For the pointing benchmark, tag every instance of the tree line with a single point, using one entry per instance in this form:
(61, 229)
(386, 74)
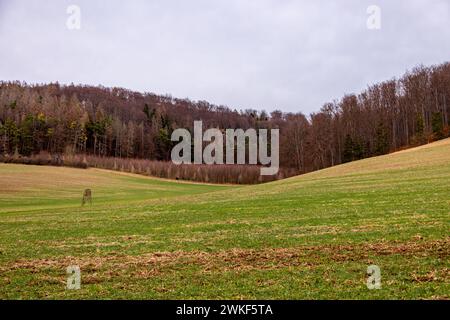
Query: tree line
(118, 123)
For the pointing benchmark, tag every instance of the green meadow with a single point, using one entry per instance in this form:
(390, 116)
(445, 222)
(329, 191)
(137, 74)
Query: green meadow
(307, 237)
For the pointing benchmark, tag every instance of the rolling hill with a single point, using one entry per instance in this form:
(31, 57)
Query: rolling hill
(311, 236)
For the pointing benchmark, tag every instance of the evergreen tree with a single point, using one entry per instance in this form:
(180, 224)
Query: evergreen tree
(437, 126)
(348, 149)
(381, 140)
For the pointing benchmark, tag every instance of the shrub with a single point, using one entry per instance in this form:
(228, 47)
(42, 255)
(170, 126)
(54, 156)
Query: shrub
(224, 174)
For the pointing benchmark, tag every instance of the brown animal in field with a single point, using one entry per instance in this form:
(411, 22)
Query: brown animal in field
(87, 196)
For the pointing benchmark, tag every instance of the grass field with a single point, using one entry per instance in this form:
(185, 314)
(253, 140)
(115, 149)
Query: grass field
(309, 237)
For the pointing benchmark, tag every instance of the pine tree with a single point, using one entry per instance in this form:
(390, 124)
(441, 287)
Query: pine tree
(348, 149)
(381, 140)
(437, 126)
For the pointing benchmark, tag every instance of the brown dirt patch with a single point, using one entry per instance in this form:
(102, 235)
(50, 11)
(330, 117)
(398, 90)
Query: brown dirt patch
(240, 259)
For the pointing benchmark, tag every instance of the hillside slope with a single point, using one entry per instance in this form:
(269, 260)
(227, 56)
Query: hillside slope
(311, 236)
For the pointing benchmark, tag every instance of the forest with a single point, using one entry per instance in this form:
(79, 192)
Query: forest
(119, 129)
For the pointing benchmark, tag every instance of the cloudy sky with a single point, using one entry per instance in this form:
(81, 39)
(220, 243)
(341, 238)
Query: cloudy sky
(263, 54)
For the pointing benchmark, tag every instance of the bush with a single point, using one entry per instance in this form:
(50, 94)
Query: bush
(224, 174)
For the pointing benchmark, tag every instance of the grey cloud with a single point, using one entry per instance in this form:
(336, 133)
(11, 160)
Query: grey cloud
(264, 54)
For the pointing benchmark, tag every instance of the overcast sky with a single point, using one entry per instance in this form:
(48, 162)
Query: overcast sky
(263, 54)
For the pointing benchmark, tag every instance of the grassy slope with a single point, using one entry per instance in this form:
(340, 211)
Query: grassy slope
(305, 237)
